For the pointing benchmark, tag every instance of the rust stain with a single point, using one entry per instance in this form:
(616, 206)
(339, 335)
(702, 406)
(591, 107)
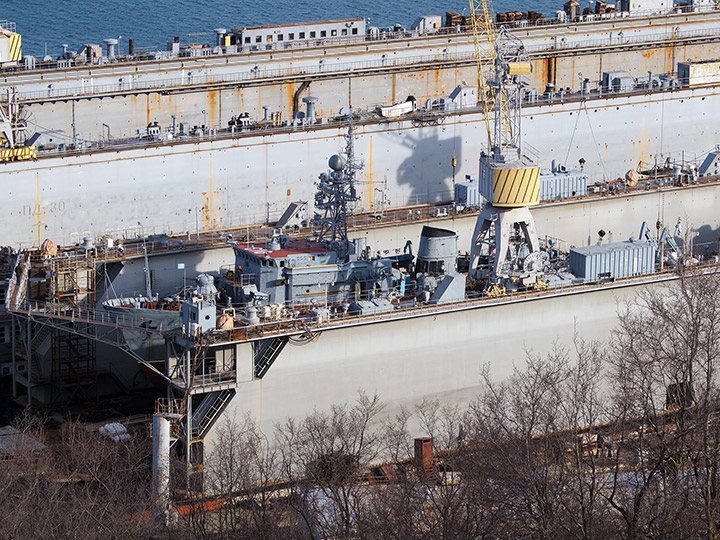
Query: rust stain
(213, 108)
(669, 67)
(394, 87)
(148, 109)
(241, 98)
(648, 54)
(209, 198)
(543, 71)
(289, 96)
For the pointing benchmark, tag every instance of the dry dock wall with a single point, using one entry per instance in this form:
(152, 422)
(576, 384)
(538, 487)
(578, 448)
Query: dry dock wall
(431, 357)
(220, 183)
(362, 74)
(125, 114)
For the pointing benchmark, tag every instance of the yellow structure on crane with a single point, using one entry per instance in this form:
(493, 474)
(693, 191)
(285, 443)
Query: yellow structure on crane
(512, 179)
(14, 126)
(505, 251)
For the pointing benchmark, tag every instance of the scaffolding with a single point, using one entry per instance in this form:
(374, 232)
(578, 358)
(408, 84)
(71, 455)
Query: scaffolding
(62, 285)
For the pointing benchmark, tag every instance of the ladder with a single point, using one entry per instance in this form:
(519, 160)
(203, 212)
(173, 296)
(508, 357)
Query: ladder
(266, 352)
(207, 412)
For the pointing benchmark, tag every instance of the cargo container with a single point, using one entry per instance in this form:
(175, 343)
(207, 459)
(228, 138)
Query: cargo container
(610, 261)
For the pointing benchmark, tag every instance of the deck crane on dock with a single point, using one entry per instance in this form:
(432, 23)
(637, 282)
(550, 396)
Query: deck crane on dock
(505, 251)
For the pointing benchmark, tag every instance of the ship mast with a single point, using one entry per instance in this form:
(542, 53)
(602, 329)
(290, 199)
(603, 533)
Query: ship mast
(334, 197)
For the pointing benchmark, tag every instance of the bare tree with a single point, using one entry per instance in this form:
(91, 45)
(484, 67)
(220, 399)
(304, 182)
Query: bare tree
(666, 400)
(324, 455)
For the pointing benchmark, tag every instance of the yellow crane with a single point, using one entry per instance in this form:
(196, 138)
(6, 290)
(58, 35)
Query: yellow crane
(501, 59)
(505, 251)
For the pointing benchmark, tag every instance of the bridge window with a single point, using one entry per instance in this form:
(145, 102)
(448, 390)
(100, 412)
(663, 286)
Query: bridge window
(323, 33)
(313, 34)
(354, 31)
(258, 39)
(333, 32)
(291, 35)
(280, 37)
(247, 39)
(302, 35)
(344, 32)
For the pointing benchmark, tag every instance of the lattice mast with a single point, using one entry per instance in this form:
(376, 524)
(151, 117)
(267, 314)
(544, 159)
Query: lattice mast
(501, 59)
(335, 197)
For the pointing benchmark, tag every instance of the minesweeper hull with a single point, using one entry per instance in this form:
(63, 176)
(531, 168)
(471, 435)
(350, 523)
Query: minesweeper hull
(182, 187)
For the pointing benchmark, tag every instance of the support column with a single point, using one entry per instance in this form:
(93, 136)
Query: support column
(161, 469)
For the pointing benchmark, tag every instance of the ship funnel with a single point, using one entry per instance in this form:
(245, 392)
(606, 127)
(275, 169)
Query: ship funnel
(437, 251)
(220, 33)
(111, 43)
(311, 103)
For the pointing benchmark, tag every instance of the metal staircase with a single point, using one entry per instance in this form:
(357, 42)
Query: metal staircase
(266, 352)
(209, 410)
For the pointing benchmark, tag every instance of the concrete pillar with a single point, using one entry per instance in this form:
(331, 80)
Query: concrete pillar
(161, 468)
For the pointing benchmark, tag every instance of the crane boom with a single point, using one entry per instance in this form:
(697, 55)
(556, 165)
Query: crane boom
(499, 68)
(481, 15)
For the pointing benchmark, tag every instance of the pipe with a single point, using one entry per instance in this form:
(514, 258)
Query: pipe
(161, 469)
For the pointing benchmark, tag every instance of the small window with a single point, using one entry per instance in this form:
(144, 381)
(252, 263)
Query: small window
(302, 35)
(281, 37)
(282, 264)
(247, 40)
(268, 39)
(291, 35)
(258, 39)
(354, 31)
(333, 32)
(343, 32)
(313, 34)
(323, 33)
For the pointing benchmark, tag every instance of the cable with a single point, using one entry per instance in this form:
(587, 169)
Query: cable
(597, 148)
(572, 137)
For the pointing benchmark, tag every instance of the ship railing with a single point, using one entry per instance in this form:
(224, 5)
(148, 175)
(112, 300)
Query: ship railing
(704, 254)
(49, 310)
(421, 115)
(128, 84)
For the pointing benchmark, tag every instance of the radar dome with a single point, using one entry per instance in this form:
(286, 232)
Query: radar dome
(336, 163)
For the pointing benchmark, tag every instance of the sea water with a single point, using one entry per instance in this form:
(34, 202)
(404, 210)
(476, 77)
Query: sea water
(46, 25)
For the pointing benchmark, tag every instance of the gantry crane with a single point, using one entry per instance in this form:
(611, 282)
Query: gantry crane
(505, 250)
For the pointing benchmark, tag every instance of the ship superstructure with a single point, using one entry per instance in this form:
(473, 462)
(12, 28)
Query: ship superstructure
(298, 273)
